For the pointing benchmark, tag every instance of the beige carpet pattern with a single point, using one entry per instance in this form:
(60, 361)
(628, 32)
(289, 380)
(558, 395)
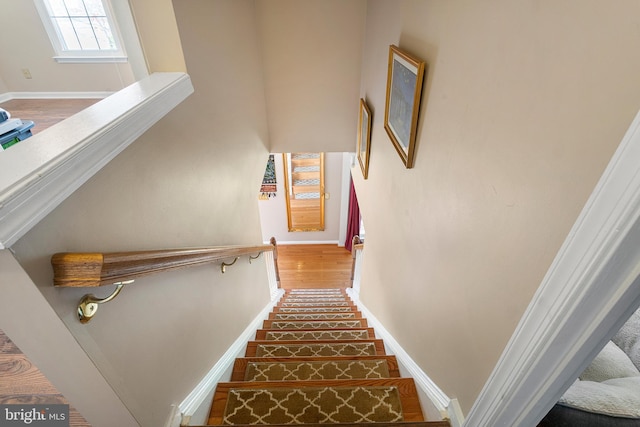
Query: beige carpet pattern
(315, 310)
(316, 335)
(311, 349)
(317, 316)
(313, 405)
(316, 325)
(315, 291)
(317, 370)
(311, 304)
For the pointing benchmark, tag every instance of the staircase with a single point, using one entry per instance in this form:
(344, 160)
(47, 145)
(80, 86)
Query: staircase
(316, 361)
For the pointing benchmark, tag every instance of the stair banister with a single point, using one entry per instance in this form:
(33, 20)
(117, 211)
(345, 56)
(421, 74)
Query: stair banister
(99, 269)
(95, 269)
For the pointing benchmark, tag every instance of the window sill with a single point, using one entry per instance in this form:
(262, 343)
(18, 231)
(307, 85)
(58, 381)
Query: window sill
(90, 59)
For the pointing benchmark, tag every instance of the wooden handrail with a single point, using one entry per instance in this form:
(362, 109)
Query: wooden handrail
(98, 269)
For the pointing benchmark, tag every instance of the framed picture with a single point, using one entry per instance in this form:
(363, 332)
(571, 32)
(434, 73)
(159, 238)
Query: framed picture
(364, 137)
(404, 87)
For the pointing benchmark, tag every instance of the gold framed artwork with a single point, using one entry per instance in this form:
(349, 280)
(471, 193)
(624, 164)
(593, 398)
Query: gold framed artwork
(404, 89)
(364, 137)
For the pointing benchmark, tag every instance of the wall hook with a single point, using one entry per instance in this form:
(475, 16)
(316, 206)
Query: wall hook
(88, 305)
(224, 265)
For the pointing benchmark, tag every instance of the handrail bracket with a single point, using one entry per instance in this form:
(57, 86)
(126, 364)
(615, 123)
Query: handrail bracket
(224, 265)
(88, 306)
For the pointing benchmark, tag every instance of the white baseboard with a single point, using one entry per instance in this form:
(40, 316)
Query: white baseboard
(448, 408)
(53, 95)
(197, 397)
(306, 242)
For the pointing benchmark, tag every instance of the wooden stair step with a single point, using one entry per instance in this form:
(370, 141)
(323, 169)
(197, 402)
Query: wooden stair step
(320, 315)
(443, 423)
(314, 309)
(240, 364)
(313, 304)
(314, 324)
(314, 334)
(317, 301)
(326, 369)
(315, 348)
(250, 402)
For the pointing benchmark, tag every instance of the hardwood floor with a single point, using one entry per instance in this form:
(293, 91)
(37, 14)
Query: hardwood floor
(314, 266)
(21, 382)
(45, 112)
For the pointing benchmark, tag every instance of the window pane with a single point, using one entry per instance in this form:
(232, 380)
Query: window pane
(67, 34)
(75, 7)
(103, 34)
(85, 34)
(95, 7)
(57, 7)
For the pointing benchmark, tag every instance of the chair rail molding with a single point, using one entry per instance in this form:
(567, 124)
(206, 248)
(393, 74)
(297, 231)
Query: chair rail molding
(40, 172)
(590, 290)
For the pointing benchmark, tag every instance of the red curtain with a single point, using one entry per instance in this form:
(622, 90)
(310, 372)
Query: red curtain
(353, 220)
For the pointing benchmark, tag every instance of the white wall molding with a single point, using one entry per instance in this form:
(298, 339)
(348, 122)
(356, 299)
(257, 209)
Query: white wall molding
(591, 288)
(40, 172)
(207, 385)
(306, 242)
(53, 95)
(446, 406)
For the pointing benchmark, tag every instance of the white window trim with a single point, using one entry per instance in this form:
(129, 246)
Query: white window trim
(87, 56)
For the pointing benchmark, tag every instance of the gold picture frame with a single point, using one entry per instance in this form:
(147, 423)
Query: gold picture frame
(404, 88)
(364, 137)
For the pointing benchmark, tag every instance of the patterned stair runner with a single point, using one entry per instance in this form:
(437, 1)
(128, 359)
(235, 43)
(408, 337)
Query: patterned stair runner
(316, 361)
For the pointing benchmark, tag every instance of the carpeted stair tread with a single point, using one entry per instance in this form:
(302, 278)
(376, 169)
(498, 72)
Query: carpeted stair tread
(313, 309)
(314, 324)
(316, 370)
(319, 401)
(317, 300)
(322, 315)
(396, 424)
(313, 304)
(314, 334)
(314, 348)
(240, 364)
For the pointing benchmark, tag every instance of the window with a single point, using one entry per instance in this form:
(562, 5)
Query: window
(81, 30)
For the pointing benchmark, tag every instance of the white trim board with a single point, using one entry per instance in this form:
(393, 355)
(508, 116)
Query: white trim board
(306, 242)
(590, 290)
(198, 397)
(53, 95)
(448, 408)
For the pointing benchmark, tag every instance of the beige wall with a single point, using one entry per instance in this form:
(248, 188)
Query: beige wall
(3, 86)
(158, 31)
(524, 104)
(24, 44)
(312, 54)
(191, 180)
